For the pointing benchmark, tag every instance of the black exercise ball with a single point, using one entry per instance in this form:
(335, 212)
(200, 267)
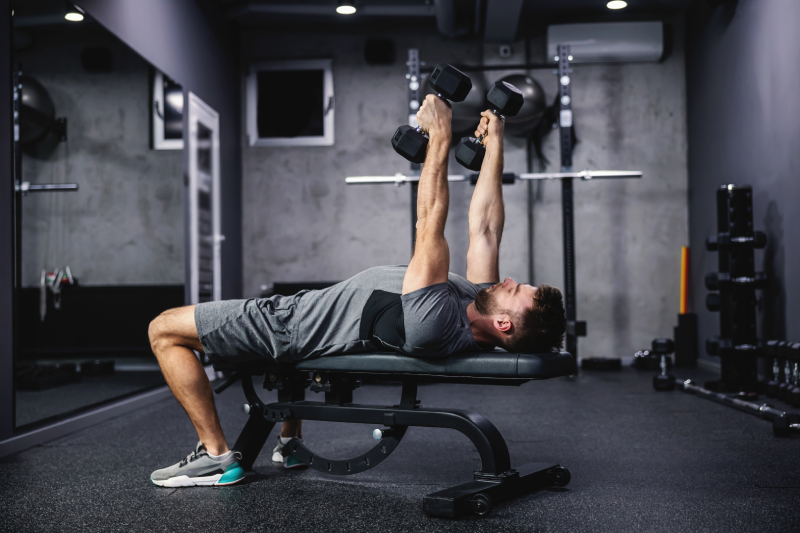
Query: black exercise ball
(37, 111)
(533, 107)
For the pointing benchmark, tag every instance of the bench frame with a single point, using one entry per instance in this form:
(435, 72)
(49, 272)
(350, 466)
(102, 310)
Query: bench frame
(496, 481)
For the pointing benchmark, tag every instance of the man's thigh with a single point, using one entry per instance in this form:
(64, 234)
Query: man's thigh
(246, 330)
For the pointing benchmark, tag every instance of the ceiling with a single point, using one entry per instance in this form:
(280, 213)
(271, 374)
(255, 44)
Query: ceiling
(494, 20)
(489, 18)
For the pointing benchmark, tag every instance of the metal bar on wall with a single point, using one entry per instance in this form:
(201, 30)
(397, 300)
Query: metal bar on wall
(567, 197)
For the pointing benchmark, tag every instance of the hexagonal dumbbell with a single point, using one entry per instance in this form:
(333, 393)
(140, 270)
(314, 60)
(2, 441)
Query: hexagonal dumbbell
(505, 100)
(663, 381)
(449, 84)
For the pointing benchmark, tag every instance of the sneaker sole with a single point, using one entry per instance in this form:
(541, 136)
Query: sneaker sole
(230, 477)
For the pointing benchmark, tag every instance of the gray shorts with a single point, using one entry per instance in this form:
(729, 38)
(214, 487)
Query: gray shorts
(247, 330)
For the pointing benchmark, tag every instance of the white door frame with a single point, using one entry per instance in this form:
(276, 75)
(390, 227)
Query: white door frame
(201, 113)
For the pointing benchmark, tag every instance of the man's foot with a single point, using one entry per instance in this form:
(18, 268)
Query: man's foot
(199, 468)
(288, 461)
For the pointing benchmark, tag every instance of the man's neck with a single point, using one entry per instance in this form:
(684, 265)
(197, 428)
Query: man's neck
(481, 327)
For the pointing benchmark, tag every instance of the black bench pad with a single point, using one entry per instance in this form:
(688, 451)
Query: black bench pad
(494, 364)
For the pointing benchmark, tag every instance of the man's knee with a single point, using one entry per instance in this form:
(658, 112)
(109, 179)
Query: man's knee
(158, 332)
(174, 327)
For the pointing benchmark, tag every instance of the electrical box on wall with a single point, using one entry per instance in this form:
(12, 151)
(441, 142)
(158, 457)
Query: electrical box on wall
(608, 41)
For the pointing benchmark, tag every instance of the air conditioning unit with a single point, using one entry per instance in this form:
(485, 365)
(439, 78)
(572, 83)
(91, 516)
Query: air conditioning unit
(608, 41)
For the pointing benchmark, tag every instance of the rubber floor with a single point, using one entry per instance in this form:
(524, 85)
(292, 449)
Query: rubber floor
(640, 461)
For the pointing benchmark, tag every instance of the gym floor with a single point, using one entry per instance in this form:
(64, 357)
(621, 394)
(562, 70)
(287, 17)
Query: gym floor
(640, 461)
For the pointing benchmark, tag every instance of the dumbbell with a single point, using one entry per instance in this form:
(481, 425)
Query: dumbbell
(663, 381)
(449, 84)
(771, 354)
(505, 100)
(785, 383)
(793, 390)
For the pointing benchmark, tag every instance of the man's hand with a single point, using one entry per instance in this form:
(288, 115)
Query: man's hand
(492, 124)
(435, 116)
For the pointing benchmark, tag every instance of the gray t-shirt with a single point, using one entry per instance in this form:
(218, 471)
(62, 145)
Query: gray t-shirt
(435, 317)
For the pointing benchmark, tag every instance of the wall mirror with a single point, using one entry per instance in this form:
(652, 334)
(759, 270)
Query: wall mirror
(100, 226)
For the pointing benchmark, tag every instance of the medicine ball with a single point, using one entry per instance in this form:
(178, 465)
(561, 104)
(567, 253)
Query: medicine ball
(37, 111)
(533, 108)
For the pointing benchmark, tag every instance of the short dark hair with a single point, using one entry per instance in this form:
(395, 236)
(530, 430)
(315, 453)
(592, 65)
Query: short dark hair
(540, 328)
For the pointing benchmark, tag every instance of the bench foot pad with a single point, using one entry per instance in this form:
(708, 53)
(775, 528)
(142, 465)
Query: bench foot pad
(477, 497)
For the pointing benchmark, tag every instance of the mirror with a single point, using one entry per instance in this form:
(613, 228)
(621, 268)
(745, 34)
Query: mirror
(100, 230)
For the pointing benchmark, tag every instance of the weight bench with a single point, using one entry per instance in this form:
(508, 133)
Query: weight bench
(337, 376)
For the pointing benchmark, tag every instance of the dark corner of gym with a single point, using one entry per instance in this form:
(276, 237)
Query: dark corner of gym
(253, 245)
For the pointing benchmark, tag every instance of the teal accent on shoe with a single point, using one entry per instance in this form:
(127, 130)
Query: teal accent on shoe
(232, 474)
(293, 462)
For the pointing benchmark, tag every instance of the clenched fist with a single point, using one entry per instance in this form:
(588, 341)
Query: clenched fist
(491, 126)
(435, 116)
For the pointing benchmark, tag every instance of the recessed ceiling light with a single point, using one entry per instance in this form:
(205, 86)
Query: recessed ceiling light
(616, 4)
(73, 13)
(345, 7)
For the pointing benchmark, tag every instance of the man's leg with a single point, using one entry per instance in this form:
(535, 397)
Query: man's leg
(173, 336)
(292, 428)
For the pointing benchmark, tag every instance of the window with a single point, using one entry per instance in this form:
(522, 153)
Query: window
(290, 103)
(167, 112)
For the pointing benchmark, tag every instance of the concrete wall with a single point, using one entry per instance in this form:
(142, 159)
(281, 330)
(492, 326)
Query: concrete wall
(125, 224)
(744, 128)
(301, 222)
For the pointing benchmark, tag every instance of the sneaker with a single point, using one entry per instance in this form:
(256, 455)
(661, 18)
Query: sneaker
(199, 468)
(288, 461)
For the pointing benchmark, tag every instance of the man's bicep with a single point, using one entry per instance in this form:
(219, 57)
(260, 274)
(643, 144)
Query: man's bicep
(483, 264)
(430, 264)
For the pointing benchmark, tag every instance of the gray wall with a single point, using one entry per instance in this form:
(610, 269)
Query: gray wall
(744, 128)
(125, 225)
(190, 41)
(301, 222)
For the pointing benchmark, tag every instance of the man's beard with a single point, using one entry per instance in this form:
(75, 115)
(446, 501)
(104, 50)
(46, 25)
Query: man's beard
(485, 303)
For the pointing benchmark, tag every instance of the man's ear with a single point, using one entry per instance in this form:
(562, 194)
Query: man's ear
(502, 323)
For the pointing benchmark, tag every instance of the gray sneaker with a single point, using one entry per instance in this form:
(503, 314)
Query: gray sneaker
(279, 457)
(200, 469)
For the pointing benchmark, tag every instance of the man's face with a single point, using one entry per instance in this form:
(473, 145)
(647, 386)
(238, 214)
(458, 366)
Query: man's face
(508, 297)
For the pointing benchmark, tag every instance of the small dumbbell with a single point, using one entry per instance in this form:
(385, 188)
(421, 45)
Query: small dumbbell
(505, 100)
(793, 395)
(449, 83)
(663, 381)
(786, 384)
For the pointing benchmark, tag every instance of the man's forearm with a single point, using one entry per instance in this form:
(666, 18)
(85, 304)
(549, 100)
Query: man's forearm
(486, 210)
(433, 194)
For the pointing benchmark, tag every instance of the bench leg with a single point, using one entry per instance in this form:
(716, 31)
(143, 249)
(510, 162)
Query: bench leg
(252, 439)
(478, 496)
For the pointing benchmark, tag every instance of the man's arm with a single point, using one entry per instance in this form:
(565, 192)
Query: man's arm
(431, 261)
(486, 211)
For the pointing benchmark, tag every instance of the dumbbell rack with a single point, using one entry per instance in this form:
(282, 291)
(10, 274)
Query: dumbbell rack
(734, 290)
(782, 362)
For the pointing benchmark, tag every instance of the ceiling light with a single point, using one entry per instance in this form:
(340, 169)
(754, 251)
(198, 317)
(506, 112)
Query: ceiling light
(73, 13)
(616, 4)
(346, 7)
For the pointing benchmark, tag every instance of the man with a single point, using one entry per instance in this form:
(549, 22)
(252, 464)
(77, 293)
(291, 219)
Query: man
(420, 310)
